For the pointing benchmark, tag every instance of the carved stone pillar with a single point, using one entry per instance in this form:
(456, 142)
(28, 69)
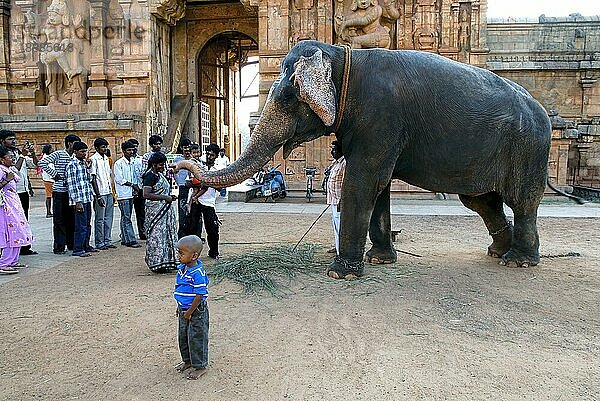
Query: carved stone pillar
(274, 42)
(98, 93)
(303, 26)
(4, 56)
(587, 81)
(134, 72)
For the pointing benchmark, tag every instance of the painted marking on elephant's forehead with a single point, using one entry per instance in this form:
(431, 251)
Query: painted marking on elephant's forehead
(520, 121)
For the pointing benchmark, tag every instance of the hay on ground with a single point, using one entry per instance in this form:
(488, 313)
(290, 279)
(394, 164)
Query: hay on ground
(270, 269)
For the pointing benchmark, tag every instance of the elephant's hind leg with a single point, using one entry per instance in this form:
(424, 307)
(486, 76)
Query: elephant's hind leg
(490, 207)
(380, 231)
(524, 250)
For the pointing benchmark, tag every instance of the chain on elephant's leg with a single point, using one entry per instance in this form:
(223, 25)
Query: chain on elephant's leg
(501, 240)
(341, 268)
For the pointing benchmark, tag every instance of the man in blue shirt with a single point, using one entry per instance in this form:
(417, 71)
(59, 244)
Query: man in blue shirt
(81, 195)
(191, 291)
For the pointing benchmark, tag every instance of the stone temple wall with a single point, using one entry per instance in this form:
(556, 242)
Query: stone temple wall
(88, 67)
(558, 61)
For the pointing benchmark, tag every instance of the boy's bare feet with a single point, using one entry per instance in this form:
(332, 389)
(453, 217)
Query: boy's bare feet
(196, 373)
(183, 366)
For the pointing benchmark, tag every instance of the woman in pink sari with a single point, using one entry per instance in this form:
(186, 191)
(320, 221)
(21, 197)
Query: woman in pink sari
(15, 231)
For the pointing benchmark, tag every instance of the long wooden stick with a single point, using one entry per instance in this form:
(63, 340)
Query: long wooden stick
(309, 228)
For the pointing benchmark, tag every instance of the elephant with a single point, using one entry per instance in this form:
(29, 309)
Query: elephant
(419, 117)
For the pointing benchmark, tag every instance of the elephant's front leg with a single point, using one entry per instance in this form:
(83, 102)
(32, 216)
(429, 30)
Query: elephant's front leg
(359, 192)
(383, 250)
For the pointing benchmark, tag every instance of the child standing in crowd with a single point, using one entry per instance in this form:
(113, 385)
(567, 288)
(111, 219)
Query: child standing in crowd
(196, 152)
(104, 201)
(48, 181)
(191, 292)
(81, 195)
(15, 231)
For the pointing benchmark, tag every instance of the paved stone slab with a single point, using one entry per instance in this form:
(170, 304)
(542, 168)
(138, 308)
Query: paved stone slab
(42, 227)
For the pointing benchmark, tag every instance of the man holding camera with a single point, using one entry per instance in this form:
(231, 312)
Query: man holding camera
(22, 160)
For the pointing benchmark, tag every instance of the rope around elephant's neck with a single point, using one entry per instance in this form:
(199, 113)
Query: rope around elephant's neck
(344, 92)
(309, 228)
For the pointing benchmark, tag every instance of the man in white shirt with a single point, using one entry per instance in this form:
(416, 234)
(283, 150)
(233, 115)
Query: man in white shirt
(124, 174)
(222, 161)
(104, 201)
(203, 208)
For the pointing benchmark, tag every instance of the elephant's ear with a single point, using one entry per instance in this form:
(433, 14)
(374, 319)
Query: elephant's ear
(312, 75)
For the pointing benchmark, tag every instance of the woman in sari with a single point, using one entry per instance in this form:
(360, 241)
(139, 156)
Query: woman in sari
(15, 231)
(160, 223)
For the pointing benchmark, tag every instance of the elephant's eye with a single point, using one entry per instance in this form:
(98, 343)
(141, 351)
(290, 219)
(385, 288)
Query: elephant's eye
(287, 95)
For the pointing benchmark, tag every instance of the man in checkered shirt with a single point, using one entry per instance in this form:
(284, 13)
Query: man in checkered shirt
(81, 195)
(334, 190)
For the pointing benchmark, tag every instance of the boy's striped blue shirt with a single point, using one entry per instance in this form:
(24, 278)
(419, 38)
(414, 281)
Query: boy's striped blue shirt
(190, 281)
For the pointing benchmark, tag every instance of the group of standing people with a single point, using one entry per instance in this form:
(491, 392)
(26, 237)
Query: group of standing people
(78, 187)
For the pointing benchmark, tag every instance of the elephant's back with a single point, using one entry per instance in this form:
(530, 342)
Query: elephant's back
(460, 123)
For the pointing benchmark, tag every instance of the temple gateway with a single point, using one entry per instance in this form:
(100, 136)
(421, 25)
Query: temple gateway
(202, 69)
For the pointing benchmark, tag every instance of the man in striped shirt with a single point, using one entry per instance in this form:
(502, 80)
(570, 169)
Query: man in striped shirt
(63, 219)
(81, 195)
(334, 190)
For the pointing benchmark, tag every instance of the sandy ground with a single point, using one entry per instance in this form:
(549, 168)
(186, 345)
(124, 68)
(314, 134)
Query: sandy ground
(451, 324)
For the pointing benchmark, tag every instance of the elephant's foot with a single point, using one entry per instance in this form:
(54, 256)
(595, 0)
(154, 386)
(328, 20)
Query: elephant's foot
(378, 256)
(516, 259)
(341, 268)
(501, 244)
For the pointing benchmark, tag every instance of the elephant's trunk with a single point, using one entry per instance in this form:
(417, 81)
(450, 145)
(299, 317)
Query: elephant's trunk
(270, 133)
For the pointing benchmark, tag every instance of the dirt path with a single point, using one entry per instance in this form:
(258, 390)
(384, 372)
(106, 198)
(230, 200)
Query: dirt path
(451, 324)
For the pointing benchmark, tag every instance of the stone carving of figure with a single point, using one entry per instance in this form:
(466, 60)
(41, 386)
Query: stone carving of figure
(362, 28)
(464, 30)
(62, 55)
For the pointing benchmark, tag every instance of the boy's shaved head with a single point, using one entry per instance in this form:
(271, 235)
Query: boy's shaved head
(191, 242)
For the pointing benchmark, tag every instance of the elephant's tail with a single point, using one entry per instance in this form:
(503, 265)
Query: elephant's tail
(577, 199)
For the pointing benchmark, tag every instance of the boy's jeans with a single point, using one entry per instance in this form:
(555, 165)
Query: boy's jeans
(127, 233)
(193, 337)
(83, 230)
(103, 221)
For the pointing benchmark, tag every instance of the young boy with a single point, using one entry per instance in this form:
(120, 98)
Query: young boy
(191, 291)
(81, 195)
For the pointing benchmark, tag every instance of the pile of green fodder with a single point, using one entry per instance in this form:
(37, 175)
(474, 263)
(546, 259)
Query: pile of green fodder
(270, 269)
